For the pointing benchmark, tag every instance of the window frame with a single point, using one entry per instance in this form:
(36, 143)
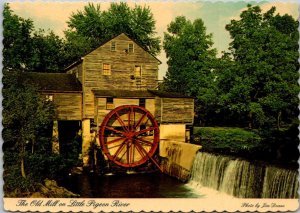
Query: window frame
(113, 46)
(142, 102)
(131, 50)
(106, 71)
(110, 103)
(140, 74)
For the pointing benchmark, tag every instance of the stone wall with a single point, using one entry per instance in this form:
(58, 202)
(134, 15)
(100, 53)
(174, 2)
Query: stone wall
(177, 158)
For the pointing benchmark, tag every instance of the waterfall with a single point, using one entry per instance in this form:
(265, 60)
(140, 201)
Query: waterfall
(243, 179)
(280, 183)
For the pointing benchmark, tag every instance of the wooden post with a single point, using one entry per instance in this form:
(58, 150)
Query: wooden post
(86, 137)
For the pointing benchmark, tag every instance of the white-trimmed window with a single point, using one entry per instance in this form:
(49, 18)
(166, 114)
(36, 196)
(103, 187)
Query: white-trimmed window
(137, 71)
(113, 46)
(106, 69)
(130, 48)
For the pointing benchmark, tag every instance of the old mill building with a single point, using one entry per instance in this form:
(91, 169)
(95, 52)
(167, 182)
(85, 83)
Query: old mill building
(118, 72)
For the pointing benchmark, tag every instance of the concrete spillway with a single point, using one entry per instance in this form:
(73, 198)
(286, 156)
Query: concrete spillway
(178, 158)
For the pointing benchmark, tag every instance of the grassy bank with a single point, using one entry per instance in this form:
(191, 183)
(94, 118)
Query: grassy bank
(276, 146)
(226, 139)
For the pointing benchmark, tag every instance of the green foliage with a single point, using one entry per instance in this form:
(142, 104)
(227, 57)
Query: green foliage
(191, 62)
(16, 42)
(260, 83)
(91, 26)
(26, 49)
(230, 140)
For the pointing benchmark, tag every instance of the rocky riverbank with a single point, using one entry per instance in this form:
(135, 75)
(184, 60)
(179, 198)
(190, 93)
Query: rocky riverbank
(51, 189)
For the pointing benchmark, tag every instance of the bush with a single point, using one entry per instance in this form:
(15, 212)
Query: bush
(225, 139)
(38, 167)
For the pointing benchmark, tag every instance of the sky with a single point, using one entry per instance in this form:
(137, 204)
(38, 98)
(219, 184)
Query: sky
(54, 16)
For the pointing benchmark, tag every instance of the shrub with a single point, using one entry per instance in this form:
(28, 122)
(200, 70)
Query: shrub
(226, 139)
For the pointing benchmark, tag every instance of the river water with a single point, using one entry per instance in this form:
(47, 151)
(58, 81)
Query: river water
(213, 176)
(148, 185)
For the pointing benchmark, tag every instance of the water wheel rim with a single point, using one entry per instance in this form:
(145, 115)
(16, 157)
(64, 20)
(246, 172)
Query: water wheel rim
(131, 141)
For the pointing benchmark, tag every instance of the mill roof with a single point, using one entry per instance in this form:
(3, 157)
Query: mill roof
(56, 82)
(137, 94)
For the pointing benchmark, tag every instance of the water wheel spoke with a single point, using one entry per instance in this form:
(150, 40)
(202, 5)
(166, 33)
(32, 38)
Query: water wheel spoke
(127, 150)
(114, 130)
(127, 153)
(119, 150)
(141, 140)
(125, 128)
(129, 118)
(132, 153)
(146, 130)
(140, 151)
(113, 141)
(147, 154)
(140, 120)
(111, 147)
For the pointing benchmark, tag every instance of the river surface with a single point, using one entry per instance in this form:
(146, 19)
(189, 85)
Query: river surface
(150, 185)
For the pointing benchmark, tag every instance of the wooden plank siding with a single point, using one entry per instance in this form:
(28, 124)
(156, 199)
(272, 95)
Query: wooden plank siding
(68, 105)
(122, 70)
(101, 111)
(174, 110)
(157, 112)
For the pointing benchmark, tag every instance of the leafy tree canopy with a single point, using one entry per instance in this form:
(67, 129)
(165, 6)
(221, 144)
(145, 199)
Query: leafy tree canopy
(91, 26)
(261, 84)
(191, 61)
(24, 48)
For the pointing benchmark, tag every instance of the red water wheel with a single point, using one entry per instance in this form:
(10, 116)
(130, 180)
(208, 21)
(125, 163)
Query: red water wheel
(129, 136)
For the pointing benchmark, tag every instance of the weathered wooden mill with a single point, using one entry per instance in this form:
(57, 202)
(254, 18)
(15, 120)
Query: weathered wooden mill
(114, 89)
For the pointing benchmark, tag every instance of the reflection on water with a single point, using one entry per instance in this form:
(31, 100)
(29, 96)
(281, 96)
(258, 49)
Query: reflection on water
(154, 185)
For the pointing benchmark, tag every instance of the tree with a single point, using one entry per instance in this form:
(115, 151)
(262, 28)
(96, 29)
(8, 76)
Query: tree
(263, 81)
(17, 39)
(26, 49)
(24, 114)
(191, 62)
(91, 26)
(47, 52)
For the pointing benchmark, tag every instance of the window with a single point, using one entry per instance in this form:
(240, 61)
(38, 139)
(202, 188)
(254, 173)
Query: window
(113, 46)
(137, 71)
(49, 97)
(106, 69)
(142, 102)
(110, 103)
(130, 48)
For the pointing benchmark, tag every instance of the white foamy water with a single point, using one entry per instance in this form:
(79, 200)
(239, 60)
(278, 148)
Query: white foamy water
(222, 176)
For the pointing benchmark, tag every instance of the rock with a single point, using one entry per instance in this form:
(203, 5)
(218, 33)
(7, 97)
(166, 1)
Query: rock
(50, 183)
(51, 189)
(37, 195)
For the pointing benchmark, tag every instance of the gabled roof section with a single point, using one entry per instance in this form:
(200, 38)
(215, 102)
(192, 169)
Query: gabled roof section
(163, 94)
(53, 82)
(104, 42)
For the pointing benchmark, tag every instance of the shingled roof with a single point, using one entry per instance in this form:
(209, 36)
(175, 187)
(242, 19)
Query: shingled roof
(137, 94)
(55, 82)
(123, 93)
